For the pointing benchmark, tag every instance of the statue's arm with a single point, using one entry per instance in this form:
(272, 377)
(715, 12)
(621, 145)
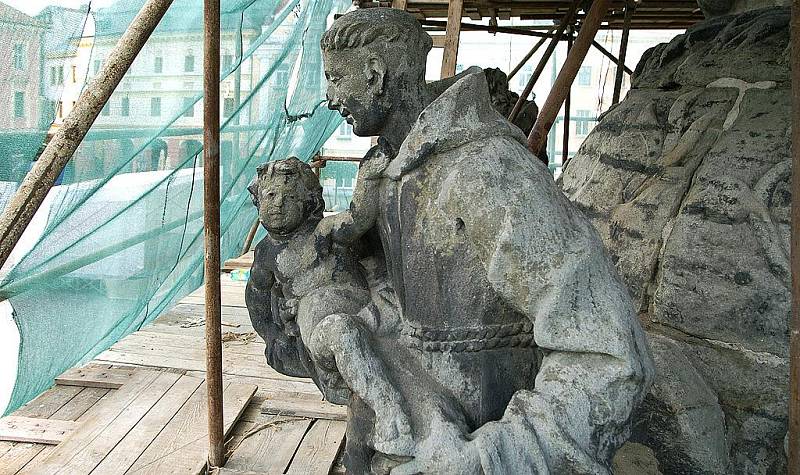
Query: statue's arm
(547, 262)
(348, 226)
(258, 295)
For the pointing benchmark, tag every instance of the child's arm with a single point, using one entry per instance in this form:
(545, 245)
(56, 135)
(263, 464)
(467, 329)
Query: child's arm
(347, 226)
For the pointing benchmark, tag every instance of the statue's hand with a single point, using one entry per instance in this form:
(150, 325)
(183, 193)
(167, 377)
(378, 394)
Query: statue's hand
(372, 167)
(446, 450)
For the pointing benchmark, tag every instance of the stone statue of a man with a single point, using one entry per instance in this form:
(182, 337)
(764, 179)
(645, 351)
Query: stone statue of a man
(517, 348)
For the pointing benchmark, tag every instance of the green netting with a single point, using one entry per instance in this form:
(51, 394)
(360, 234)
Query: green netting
(120, 239)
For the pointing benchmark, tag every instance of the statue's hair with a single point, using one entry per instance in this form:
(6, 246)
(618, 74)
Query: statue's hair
(314, 203)
(367, 26)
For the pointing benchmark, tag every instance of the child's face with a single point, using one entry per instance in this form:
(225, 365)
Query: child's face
(281, 203)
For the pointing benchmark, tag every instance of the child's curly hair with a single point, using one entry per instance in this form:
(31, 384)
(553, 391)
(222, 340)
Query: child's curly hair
(314, 204)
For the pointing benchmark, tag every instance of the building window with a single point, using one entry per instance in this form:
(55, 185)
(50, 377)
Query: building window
(96, 68)
(155, 106)
(74, 74)
(53, 75)
(61, 75)
(585, 76)
(227, 62)
(345, 131)
(106, 110)
(188, 63)
(60, 110)
(125, 107)
(582, 122)
(19, 56)
(19, 105)
(158, 64)
(282, 77)
(525, 76)
(228, 107)
(188, 106)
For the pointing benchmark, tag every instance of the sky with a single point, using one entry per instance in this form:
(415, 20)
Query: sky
(32, 7)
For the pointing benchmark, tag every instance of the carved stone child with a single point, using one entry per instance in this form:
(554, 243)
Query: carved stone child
(324, 289)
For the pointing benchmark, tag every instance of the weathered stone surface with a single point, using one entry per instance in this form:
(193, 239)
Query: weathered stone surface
(687, 181)
(497, 337)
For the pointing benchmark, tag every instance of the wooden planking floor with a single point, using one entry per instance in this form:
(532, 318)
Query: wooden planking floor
(146, 437)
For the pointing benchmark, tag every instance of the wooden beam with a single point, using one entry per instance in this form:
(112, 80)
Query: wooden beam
(529, 55)
(211, 218)
(438, 41)
(565, 22)
(623, 49)
(794, 324)
(565, 136)
(40, 179)
(549, 111)
(399, 4)
(248, 241)
(454, 12)
(34, 430)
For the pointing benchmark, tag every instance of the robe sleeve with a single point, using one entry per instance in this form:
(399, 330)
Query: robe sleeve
(545, 259)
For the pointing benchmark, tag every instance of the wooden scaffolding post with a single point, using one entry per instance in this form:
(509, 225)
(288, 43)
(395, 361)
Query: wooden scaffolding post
(530, 54)
(399, 4)
(794, 324)
(565, 137)
(565, 22)
(623, 49)
(451, 38)
(216, 446)
(561, 87)
(40, 179)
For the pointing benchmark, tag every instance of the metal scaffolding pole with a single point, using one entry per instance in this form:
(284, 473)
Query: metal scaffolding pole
(41, 178)
(211, 199)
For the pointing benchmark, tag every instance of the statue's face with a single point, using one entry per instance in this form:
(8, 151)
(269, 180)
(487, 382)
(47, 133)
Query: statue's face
(355, 89)
(281, 203)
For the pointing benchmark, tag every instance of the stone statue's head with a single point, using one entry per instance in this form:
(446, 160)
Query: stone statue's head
(374, 58)
(287, 194)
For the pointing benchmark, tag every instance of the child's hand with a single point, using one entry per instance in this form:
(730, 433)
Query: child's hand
(376, 160)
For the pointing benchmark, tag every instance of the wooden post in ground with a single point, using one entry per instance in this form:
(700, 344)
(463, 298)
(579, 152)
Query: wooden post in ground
(561, 87)
(623, 49)
(37, 183)
(248, 241)
(216, 446)
(794, 324)
(565, 22)
(451, 38)
(529, 55)
(565, 137)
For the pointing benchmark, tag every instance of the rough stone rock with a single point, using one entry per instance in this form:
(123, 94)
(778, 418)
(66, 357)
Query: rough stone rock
(687, 181)
(635, 459)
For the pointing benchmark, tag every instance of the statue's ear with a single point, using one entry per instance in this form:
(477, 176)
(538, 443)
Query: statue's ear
(375, 72)
(253, 189)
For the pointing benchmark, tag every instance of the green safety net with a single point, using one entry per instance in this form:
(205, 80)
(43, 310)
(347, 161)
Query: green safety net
(120, 239)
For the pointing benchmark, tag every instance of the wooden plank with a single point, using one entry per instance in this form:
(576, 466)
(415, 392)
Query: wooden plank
(296, 387)
(14, 456)
(74, 410)
(34, 430)
(182, 445)
(96, 376)
(191, 359)
(399, 4)
(154, 340)
(304, 408)
(270, 446)
(124, 454)
(317, 452)
(452, 34)
(107, 424)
